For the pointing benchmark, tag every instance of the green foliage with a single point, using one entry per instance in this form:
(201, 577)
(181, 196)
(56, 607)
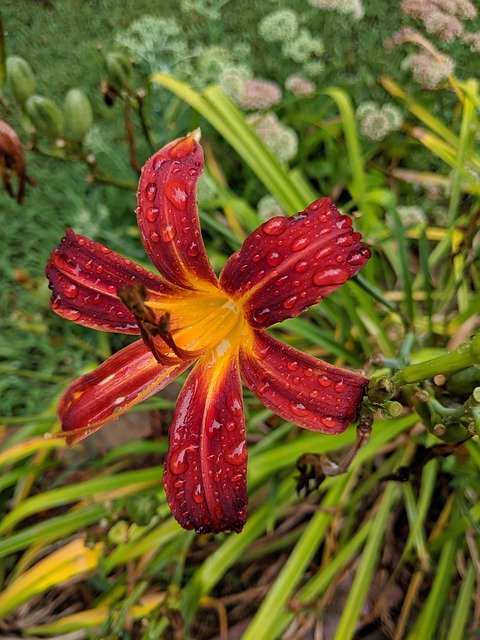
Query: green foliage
(404, 519)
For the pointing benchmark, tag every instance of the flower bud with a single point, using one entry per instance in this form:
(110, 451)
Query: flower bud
(78, 115)
(46, 117)
(118, 71)
(20, 79)
(12, 160)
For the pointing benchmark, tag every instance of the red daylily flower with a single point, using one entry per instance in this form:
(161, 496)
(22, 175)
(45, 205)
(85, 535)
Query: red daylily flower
(188, 315)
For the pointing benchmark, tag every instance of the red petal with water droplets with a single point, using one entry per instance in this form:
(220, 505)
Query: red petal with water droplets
(309, 392)
(84, 277)
(168, 217)
(288, 264)
(206, 464)
(126, 378)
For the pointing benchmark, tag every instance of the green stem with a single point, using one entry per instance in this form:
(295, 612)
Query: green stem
(464, 356)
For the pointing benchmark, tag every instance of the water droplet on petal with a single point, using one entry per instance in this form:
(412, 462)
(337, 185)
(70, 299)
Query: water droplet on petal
(192, 250)
(151, 191)
(152, 214)
(178, 460)
(292, 365)
(330, 276)
(357, 258)
(71, 314)
(299, 409)
(70, 290)
(88, 264)
(256, 257)
(300, 243)
(168, 233)
(176, 192)
(308, 373)
(339, 387)
(313, 394)
(344, 240)
(81, 241)
(323, 253)
(154, 237)
(275, 226)
(198, 494)
(230, 425)
(344, 223)
(234, 402)
(238, 455)
(281, 280)
(301, 266)
(324, 381)
(289, 302)
(329, 421)
(274, 258)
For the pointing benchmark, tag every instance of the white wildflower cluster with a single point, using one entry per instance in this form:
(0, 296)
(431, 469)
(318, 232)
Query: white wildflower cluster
(157, 41)
(442, 18)
(255, 93)
(209, 9)
(472, 40)
(299, 85)
(409, 215)
(376, 121)
(304, 48)
(352, 7)
(268, 207)
(429, 70)
(231, 79)
(279, 26)
(280, 139)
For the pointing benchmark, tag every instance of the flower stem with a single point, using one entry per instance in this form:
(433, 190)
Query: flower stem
(464, 356)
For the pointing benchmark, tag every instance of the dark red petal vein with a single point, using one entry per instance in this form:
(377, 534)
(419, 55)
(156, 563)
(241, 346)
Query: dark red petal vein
(85, 276)
(288, 264)
(205, 469)
(300, 388)
(168, 217)
(126, 378)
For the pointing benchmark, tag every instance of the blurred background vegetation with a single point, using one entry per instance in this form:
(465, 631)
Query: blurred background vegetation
(378, 108)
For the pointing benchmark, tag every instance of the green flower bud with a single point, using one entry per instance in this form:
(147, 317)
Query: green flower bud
(141, 509)
(20, 79)
(464, 382)
(46, 117)
(119, 68)
(78, 115)
(118, 534)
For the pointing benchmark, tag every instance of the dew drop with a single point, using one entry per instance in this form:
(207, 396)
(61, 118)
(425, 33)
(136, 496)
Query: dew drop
(70, 290)
(292, 365)
(329, 421)
(289, 302)
(275, 226)
(198, 494)
(120, 314)
(151, 191)
(81, 241)
(154, 237)
(308, 373)
(105, 250)
(344, 223)
(88, 264)
(256, 257)
(192, 250)
(168, 233)
(263, 386)
(274, 258)
(313, 394)
(357, 258)
(324, 252)
(301, 266)
(344, 240)
(300, 243)
(324, 381)
(238, 455)
(152, 214)
(230, 426)
(339, 387)
(234, 402)
(176, 192)
(299, 409)
(178, 460)
(330, 276)
(71, 314)
(281, 280)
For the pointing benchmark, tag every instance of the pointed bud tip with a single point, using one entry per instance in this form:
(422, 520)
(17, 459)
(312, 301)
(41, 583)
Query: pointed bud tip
(196, 134)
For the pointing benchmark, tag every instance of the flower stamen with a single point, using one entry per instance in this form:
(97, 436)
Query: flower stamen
(133, 297)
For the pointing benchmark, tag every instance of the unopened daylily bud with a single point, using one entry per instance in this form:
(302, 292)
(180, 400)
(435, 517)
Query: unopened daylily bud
(20, 79)
(12, 160)
(46, 117)
(78, 115)
(118, 71)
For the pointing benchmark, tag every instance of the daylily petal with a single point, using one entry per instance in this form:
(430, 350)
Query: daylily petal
(288, 264)
(205, 468)
(126, 378)
(298, 387)
(168, 217)
(85, 276)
